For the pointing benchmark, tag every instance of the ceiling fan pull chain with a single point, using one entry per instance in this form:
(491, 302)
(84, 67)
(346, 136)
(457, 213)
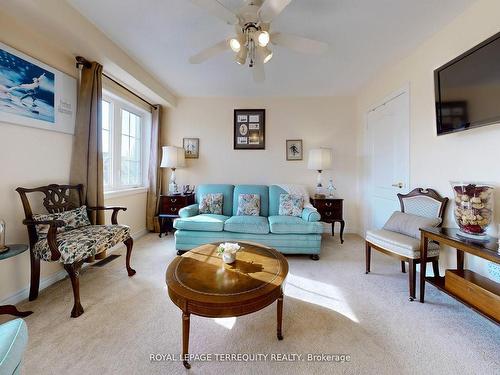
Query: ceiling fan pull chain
(252, 53)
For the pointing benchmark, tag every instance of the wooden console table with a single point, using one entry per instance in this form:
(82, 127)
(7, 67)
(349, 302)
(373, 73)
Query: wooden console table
(478, 286)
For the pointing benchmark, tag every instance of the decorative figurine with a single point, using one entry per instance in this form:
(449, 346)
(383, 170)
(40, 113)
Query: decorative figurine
(331, 188)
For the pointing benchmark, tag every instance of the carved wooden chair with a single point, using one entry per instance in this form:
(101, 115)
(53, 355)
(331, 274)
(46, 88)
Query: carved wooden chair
(67, 234)
(423, 204)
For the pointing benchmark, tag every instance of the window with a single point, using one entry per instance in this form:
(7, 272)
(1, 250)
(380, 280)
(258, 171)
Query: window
(125, 147)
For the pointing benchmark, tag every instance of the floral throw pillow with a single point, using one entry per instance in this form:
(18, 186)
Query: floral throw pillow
(248, 205)
(291, 205)
(211, 204)
(73, 219)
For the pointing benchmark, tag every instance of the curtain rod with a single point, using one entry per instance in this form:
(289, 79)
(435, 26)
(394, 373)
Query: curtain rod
(84, 62)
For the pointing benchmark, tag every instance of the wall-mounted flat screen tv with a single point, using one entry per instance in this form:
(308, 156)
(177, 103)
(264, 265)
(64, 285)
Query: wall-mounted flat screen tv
(468, 89)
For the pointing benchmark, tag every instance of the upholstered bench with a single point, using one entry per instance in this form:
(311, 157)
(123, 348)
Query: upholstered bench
(400, 236)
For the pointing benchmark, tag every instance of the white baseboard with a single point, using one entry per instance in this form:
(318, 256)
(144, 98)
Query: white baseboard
(47, 281)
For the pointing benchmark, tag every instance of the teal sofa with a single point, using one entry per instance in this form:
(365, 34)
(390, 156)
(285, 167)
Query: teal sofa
(287, 234)
(13, 341)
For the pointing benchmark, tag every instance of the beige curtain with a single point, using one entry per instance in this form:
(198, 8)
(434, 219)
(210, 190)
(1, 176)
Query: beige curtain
(154, 171)
(86, 161)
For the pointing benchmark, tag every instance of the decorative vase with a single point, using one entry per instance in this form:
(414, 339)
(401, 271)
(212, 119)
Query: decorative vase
(473, 210)
(228, 258)
(228, 251)
(3, 248)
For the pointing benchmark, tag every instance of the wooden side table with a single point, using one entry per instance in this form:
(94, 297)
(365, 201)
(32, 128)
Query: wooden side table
(331, 211)
(169, 209)
(12, 252)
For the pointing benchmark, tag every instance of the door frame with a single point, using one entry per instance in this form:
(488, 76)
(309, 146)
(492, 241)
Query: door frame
(405, 89)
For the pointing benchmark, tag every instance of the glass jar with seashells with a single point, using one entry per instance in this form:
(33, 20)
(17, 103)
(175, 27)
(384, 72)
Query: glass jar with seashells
(473, 209)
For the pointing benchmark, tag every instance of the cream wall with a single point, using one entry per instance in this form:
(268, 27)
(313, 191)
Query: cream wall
(470, 156)
(31, 157)
(327, 122)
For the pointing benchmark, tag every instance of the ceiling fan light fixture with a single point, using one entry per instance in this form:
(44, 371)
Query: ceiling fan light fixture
(266, 54)
(263, 38)
(235, 44)
(241, 56)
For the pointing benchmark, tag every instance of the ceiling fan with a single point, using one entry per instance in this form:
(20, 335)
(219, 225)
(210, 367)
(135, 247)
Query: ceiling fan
(251, 42)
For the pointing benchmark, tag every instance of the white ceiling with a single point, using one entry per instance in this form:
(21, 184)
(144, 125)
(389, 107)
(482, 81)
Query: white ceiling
(364, 35)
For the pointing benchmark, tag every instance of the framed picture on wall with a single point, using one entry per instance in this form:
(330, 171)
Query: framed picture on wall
(35, 94)
(249, 129)
(191, 148)
(294, 149)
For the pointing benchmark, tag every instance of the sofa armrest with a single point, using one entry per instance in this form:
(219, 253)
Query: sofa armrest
(310, 214)
(188, 211)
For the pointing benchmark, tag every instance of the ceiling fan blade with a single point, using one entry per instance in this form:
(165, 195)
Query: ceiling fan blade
(271, 9)
(259, 74)
(218, 10)
(298, 43)
(209, 52)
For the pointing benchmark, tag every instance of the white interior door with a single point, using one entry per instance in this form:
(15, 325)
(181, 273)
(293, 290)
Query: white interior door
(389, 142)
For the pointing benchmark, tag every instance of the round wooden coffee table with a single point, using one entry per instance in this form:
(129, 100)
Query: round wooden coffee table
(200, 283)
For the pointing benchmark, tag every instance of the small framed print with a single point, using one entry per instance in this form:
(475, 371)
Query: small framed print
(249, 129)
(294, 149)
(191, 148)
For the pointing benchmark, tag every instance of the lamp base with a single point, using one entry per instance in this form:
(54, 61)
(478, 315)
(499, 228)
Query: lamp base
(319, 196)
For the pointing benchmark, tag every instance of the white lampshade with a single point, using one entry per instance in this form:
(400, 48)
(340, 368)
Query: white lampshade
(320, 159)
(173, 157)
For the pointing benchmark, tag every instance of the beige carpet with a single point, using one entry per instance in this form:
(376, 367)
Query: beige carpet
(331, 306)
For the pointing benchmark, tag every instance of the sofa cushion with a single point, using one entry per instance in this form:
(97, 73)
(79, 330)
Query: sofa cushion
(211, 203)
(248, 205)
(261, 190)
(408, 224)
(13, 341)
(226, 190)
(293, 224)
(73, 219)
(291, 205)
(204, 222)
(399, 243)
(247, 224)
(81, 243)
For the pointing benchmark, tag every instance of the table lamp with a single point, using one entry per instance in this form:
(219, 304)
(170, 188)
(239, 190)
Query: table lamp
(319, 160)
(173, 158)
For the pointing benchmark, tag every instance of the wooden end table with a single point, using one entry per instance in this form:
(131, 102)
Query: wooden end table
(169, 209)
(331, 211)
(14, 250)
(200, 283)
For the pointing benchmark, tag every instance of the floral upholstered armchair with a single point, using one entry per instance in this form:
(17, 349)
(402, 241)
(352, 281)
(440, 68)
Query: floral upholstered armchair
(65, 234)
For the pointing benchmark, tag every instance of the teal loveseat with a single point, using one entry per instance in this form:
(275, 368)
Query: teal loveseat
(287, 234)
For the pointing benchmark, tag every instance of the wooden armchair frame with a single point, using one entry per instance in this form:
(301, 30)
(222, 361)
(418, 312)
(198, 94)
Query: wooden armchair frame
(61, 198)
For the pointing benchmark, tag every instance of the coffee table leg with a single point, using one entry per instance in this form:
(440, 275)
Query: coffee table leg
(185, 339)
(280, 317)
